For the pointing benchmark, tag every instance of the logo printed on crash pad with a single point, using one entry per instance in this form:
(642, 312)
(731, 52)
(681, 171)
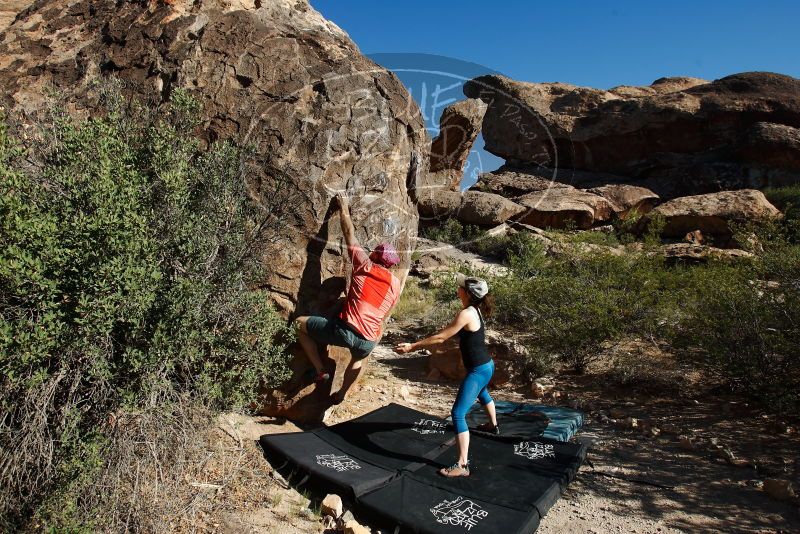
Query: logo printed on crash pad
(429, 426)
(459, 512)
(338, 463)
(534, 450)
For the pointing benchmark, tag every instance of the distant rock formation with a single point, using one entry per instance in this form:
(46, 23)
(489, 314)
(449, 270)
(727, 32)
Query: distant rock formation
(322, 118)
(459, 125)
(679, 136)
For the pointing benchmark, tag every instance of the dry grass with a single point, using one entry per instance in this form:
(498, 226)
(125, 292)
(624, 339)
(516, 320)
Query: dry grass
(176, 469)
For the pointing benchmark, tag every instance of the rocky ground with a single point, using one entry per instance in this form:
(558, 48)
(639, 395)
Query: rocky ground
(687, 463)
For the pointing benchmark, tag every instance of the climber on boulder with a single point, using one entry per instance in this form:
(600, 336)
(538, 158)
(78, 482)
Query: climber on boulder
(373, 292)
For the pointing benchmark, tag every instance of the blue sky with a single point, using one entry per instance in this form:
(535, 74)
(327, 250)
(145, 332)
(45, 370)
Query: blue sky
(597, 44)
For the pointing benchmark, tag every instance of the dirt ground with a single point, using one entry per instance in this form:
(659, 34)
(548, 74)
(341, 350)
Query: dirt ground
(638, 481)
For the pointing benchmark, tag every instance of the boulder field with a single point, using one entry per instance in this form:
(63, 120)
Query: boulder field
(578, 157)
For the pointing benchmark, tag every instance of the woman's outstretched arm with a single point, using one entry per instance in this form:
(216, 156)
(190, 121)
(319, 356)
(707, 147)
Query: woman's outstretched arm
(443, 335)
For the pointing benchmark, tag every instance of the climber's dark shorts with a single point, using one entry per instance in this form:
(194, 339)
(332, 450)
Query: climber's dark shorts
(337, 332)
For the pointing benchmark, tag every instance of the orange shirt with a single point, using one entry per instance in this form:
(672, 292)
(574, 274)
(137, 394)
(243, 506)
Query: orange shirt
(373, 291)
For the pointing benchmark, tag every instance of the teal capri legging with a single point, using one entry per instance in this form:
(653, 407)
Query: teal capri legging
(475, 385)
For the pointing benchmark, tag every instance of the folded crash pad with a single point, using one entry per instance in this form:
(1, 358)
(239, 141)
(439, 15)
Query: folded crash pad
(530, 420)
(386, 462)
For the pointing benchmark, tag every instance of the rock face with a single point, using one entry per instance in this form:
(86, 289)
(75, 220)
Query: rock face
(562, 207)
(9, 9)
(713, 213)
(322, 118)
(459, 125)
(679, 136)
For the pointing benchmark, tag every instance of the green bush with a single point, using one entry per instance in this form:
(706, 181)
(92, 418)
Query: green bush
(575, 306)
(126, 254)
(738, 320)
(741, 323)
(787, 199)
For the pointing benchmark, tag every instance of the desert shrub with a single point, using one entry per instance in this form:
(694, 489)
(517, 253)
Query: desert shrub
(574, 306)
(787, 199)
(468, 237)
(741, 324)
(126, 256)
(415, 301)
(607, 239)
(453, 232)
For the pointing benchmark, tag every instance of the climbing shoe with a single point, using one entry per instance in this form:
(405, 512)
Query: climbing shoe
(489, 428)
(322, 377)
(455, 470)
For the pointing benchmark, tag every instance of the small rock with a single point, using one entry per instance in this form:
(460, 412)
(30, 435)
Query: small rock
(538, 390)
(405, 393)
(631, 422)
(331, 505)
(714, 441)
(685, 443)
(758, 484)
(306, 513)
(354, 527)
(653, 432)
(617, 413)
(726, 454)
(779, 488)
(555, 394)
(347, 516)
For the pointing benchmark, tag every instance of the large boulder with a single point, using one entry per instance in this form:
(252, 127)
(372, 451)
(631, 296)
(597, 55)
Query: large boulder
(627, 199)
(514, 184)
(322, 118)
(509, 356)
(487, 209)
(563, 208)
(696, 254)
(459, 126)
(713, 213)
(682, 136)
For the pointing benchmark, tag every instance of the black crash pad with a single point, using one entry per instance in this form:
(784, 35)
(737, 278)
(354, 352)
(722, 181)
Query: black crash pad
(386, 462)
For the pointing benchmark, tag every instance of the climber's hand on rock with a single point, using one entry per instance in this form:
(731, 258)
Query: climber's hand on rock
(341, 202)
(402, 348)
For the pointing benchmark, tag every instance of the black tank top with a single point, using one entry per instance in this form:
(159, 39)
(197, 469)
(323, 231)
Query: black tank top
(473, 345)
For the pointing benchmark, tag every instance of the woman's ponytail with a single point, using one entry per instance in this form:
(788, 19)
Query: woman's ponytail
(485, 305)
